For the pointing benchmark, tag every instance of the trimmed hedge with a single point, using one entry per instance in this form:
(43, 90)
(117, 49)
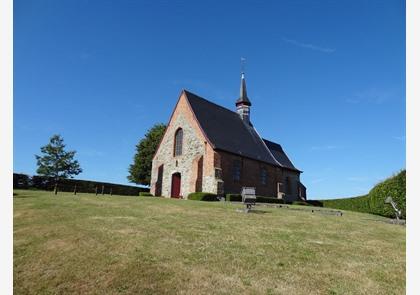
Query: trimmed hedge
(358, 204)
(315, 203)
(394, 187)
(209, 197)
(301, 203)
(23, 181)
(233, 198)
(260, 199)
(374, 201)
(145, 194)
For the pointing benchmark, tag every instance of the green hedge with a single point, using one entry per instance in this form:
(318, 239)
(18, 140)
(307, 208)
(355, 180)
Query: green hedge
(301, 203)
(233, 198)
(374, 201)
(394, 187)
(145, 194)
(23, 181)
(261, 199)
(358, 204)
(315, 203)
(209, 197)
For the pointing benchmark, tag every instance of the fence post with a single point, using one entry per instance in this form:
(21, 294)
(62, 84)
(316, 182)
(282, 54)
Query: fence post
(96, 190)
(55, 188)
(103, 190)
(75, 189)
(110, 191)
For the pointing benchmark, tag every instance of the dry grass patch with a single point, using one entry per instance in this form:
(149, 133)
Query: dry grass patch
(89, 244)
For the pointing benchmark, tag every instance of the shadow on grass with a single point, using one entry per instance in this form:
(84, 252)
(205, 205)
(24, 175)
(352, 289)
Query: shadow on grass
(19, 196)
(256, 211)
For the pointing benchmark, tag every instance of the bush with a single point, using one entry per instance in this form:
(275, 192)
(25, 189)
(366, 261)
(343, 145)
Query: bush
(301, 203)
(209, 197)
(315, 203)
(260, 199)
(233, 198)
(145, 194)
(271, 200)
(21, 181)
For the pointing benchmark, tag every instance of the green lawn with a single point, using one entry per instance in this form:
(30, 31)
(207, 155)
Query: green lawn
(89, 244)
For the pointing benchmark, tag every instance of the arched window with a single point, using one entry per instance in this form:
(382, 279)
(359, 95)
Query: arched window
(178, 142)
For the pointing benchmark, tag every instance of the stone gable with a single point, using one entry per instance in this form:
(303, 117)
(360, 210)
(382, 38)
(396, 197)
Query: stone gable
(196, 154)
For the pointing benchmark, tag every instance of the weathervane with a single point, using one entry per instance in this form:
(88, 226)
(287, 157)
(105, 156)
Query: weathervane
(243, 65)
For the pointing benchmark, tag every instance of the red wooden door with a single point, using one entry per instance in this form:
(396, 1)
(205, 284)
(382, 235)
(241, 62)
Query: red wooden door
(176, 185)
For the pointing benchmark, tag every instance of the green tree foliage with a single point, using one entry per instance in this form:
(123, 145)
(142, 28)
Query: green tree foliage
(55, 161)
(141, 169)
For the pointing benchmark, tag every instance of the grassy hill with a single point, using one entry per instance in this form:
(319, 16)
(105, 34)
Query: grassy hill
(374, 201)
(89, 244)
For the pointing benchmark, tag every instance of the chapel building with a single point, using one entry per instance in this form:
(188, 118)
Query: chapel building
(209, 148)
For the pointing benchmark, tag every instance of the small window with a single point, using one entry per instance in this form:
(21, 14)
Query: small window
(178, 142)
(263, 176)
(237, 170)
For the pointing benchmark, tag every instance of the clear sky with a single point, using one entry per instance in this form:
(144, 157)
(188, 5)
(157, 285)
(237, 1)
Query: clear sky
(326, 80)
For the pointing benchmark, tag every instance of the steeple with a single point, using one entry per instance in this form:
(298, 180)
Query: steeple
(243, 103)
(243, 96)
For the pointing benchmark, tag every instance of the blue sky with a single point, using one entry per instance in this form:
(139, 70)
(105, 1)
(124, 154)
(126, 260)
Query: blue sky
(326, 79)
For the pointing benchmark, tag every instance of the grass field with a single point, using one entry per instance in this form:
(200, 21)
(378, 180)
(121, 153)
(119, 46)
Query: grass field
(89, 244)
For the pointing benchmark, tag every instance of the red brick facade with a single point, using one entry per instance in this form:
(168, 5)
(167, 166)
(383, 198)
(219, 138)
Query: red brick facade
(277, 181)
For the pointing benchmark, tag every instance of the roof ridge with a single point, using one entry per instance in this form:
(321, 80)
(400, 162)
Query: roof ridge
(273, 142)
(206, 100)
(269, 151)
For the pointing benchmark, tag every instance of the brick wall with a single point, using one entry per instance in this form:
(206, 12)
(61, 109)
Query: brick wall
(251, 176)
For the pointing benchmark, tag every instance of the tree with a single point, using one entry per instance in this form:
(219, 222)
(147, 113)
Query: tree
(141, 169)
(56, 162)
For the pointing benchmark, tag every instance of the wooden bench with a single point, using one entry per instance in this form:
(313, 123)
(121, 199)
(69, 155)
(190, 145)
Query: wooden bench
(248, 197)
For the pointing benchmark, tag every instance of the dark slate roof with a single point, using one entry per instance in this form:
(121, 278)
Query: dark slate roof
(226, 131)
(278, 153)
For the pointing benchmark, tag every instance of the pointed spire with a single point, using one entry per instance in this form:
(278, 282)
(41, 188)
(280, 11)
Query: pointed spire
(243, 104)
(243, 96)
